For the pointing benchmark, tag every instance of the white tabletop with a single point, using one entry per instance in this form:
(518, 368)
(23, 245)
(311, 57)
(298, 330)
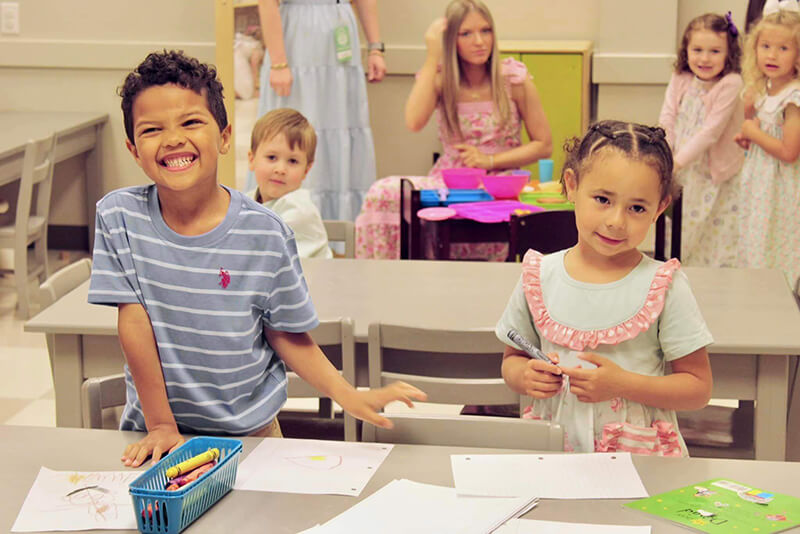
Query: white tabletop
(250, 511)
(748, 311)
(20, 126)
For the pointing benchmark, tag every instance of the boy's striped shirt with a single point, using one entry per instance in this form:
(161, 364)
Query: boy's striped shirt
(209, 298)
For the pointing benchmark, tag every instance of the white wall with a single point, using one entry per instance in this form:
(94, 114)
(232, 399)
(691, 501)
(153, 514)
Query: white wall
(73, 55)
(73, 58)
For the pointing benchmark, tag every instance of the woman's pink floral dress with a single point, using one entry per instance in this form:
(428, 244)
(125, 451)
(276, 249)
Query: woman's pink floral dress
(378, 224)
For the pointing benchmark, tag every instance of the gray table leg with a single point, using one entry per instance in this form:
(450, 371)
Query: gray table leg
(67, 379)
(771, 407)
(793, 421)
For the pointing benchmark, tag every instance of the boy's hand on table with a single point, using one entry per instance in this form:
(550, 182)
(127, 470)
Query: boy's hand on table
(364, 405)
(541, 379)
(158, 440)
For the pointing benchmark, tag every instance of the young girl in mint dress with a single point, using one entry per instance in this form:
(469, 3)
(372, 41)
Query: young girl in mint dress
(608, 316)
(480, 103)
(769, 223)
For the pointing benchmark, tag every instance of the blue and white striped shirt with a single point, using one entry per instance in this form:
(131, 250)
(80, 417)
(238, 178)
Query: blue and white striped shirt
(209, 298)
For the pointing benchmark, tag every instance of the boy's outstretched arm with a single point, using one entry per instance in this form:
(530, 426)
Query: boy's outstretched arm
(307, 360)
(139, 345)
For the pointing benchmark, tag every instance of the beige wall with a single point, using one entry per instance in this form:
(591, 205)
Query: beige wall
(72, 57)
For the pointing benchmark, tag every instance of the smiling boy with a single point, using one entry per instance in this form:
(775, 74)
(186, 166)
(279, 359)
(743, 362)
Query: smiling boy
(210, 292)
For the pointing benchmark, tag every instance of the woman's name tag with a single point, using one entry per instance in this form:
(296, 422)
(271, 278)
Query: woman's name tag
(341, 40)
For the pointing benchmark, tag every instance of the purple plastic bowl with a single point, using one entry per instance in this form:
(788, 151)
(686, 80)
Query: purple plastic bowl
(505, 186)
(463, 177)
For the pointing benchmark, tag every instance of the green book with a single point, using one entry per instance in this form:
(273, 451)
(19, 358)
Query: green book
(722, 506)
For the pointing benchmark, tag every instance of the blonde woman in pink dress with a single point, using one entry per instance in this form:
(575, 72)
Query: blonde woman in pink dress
(480, 104)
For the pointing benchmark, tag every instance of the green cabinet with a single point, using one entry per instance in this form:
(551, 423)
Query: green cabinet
(561, 73)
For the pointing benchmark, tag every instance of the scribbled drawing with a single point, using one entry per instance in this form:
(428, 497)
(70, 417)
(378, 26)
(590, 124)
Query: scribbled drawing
(317, 462)
(97, 500)
(98, 494)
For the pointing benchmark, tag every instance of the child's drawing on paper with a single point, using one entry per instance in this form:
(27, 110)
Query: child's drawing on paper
(72, 500)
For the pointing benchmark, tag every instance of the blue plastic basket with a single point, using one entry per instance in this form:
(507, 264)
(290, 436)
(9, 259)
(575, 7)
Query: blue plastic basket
(169, 512)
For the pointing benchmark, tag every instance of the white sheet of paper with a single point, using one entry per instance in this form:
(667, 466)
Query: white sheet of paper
(597, 475)
(107, 505)
(535, 526)
(403, 506)
(310, 466)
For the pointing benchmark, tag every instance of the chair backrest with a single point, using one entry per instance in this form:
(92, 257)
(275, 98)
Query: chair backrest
(37, 170)
(473, 431)
(334, 336)
(410, 228)
(452, 367)
(546, 231)
(342, 231)
(56, 286)
(99, 393)
(63, 281)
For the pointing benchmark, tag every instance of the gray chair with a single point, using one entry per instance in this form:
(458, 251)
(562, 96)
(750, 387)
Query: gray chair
(31, 219)
(452, 367)
(99, 393)
(59, 284)
(332, 336)
(342, 231)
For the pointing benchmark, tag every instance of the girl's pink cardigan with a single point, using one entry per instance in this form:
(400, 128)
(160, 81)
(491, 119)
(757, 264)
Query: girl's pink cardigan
(724, 114)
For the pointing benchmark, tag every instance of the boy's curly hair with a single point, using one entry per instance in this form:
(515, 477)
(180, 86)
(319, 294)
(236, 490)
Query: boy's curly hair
(172, 67)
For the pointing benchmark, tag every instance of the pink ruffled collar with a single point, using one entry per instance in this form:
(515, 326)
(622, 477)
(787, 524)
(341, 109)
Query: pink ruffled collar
(581, 339)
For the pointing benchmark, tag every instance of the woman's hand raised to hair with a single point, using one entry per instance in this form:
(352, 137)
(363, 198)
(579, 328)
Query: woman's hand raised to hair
(433, 37)
(281, 81)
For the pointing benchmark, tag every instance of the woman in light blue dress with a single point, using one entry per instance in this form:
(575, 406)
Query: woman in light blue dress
(307, 71)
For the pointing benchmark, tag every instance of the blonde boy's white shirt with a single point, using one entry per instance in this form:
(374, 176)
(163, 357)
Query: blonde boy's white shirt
(301, 215)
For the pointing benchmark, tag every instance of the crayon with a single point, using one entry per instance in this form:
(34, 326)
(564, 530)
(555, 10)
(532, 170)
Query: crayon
(191, 463)
(182, 480)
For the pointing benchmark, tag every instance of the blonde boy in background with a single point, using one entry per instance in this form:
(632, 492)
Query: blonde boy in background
(281, 153)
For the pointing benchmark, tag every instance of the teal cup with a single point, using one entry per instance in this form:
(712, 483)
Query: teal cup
(545, 170)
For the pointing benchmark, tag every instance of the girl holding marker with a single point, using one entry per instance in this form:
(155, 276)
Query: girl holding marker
(608, 317)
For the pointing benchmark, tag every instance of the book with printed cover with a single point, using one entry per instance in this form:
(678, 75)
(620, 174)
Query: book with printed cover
(722, 506)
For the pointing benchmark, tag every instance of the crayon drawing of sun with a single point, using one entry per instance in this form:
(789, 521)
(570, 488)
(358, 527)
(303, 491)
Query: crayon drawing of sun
(74, 478)
(317, 462)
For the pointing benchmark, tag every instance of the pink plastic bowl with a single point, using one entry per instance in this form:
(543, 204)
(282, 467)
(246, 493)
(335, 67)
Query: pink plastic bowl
(504, 186)
(463, 178)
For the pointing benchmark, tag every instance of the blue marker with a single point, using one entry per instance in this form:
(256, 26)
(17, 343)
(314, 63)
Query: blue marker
(527, 346)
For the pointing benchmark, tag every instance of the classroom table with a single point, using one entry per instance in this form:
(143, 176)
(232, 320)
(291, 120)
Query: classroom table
(251, 511)
(76, 133)
(751, 313)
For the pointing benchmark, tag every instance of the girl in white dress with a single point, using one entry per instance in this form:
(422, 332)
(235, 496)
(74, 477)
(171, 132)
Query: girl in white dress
(702, 113)
(769, 196)
(609, 317)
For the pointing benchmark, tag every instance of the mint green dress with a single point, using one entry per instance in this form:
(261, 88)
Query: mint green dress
(640, 322)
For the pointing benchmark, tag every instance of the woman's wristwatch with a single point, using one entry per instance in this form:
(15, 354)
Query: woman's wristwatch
(377, 45)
